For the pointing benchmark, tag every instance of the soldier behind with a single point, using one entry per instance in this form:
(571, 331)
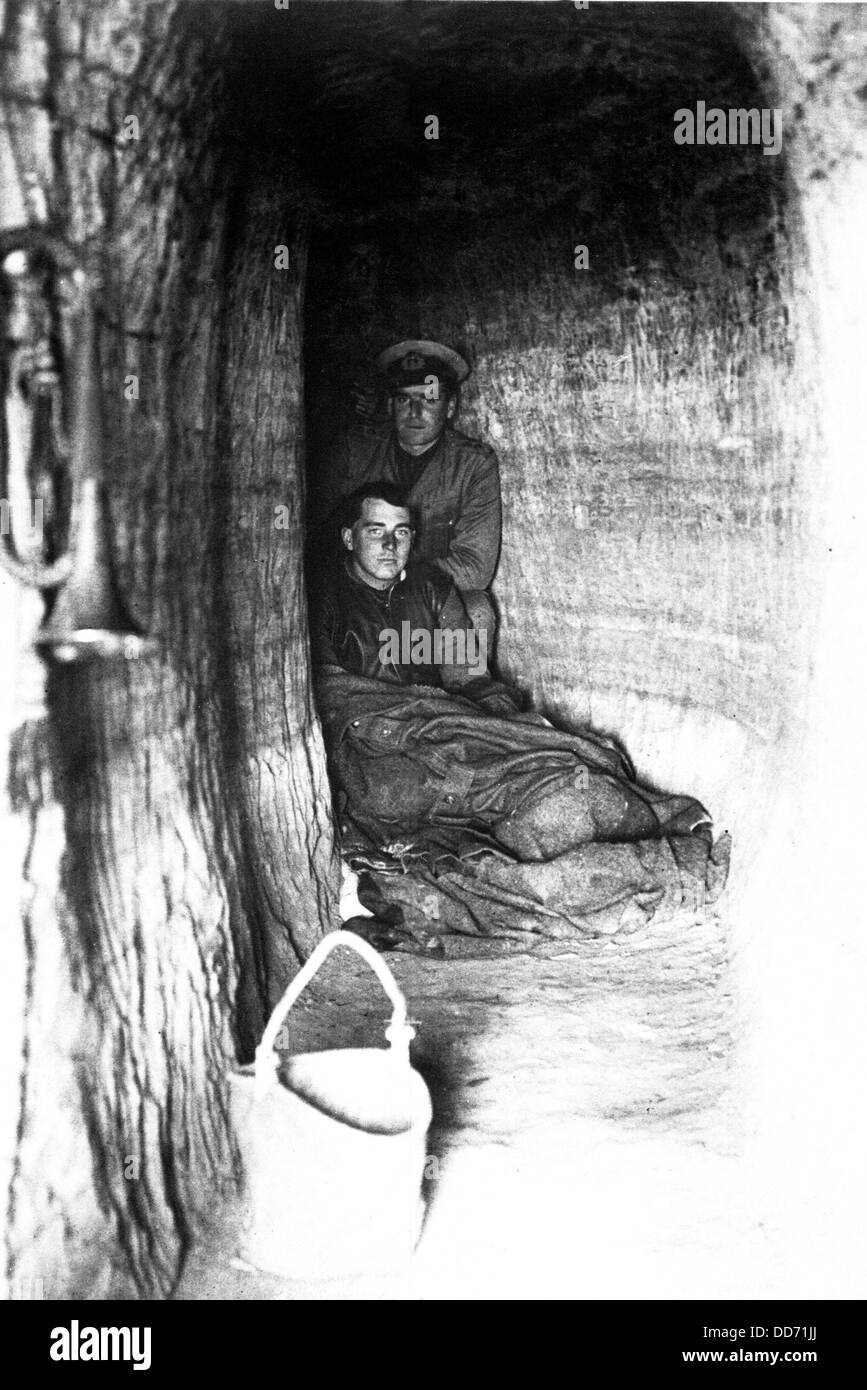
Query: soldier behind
(452, 482)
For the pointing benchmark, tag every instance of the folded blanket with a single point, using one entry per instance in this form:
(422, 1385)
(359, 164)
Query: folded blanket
(470, 822)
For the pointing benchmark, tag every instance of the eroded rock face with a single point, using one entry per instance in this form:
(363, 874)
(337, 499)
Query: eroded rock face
(175, 857)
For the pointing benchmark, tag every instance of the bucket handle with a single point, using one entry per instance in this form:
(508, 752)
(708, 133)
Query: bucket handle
(399, 1033)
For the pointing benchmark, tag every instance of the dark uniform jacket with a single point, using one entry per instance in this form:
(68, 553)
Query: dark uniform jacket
(455, 495)
(350, 618)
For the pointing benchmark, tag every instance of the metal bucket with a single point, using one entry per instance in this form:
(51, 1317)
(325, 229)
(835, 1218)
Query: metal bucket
(333, 1144)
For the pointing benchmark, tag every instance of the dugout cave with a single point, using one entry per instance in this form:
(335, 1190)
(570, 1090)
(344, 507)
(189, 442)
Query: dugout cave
(676, 427)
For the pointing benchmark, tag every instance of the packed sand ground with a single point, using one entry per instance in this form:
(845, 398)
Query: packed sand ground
(586, 1123)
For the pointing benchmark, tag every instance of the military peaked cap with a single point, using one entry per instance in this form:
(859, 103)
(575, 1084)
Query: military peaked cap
(410, 363)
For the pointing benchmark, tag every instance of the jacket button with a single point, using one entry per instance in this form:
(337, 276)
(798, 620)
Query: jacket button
(355, 723)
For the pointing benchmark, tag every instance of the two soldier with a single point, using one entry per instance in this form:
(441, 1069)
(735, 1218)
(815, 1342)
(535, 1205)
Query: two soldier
(451, 482)
(420, 538)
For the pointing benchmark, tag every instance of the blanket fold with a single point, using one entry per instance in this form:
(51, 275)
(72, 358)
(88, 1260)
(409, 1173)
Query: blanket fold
(466, 821)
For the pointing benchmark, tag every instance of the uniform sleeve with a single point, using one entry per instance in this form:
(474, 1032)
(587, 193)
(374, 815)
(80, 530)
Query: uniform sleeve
(323, 632)
(471, 677)
(475, 545)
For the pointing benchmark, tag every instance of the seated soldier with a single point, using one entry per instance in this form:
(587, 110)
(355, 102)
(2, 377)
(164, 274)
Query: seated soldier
(452, 481)
(434, 764)
(396, 619)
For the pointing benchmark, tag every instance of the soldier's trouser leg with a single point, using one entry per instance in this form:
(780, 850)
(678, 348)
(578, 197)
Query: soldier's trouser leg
(596, 807)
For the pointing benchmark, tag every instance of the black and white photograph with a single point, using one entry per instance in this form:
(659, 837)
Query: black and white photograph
(432, 662)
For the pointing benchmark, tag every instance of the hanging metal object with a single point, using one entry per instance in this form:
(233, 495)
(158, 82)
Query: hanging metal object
(55, 397)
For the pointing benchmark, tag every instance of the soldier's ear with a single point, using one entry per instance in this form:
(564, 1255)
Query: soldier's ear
(346, 537)
(451, 407)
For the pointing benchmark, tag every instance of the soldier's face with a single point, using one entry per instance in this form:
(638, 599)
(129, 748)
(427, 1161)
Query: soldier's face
(379, 542)
(420, 414)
